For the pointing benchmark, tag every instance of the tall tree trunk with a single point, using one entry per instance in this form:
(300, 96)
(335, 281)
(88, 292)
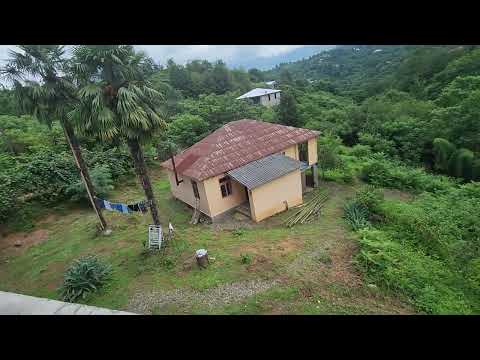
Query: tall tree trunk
(141, 170)
(77, 154)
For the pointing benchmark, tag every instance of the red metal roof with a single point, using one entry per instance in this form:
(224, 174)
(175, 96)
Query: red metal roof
(236, 144)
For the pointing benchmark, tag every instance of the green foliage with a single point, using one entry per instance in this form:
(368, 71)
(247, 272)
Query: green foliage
(328, 152)
(101, 179)
(287, 110)
(370, 197)
(361, 151)
(356, 215)
(245, 258)
(460, 163)
(442, 150)
(380, 171)
(238, 232)
(202, 77)
(187, 129)
(428, 250)
(217, 110)
(342, 175)
(397, 266)
(85, 276)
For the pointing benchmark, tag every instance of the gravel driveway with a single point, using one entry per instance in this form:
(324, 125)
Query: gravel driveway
(221, 295)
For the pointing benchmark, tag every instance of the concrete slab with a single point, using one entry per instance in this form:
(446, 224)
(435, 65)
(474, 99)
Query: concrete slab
(18, 304)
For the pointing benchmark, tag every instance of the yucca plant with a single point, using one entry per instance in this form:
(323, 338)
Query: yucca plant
(356, 215)
(84, 276)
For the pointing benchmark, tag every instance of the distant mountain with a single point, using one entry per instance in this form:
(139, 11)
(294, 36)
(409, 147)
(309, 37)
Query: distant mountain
(265, 63)
(361, 71)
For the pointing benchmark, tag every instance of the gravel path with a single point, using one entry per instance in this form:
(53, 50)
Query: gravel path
(221, 295)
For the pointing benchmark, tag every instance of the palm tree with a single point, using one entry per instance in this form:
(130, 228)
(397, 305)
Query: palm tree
(117, 101)
(43, 88)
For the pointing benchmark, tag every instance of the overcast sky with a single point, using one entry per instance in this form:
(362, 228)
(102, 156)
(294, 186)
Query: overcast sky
(233, 55)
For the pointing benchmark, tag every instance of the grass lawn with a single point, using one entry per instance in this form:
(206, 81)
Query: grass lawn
(304, 270)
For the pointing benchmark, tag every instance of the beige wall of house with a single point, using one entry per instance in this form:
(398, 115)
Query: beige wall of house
(292, 152)
(184, 192)
(312, 151)
(269, 199)
(219, 204)
(211, 201)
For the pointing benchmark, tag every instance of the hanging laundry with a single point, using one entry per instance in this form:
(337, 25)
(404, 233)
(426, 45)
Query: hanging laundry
(123, 208)
(140, 206)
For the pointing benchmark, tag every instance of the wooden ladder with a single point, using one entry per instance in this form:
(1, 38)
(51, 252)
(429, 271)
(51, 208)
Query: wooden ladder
(196, 212)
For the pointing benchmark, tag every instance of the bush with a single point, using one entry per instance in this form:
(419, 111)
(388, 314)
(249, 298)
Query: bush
(380, 171)
(340, 175)
(245, 258)
(356, 215)
(102, 182)
(426, 281)
(84, 276)
(360, 151)
(370, 197)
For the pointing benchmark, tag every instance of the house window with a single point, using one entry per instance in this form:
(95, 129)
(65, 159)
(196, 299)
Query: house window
(225, 186)
(195, 189)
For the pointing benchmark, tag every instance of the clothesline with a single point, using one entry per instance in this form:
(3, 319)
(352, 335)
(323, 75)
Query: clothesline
(140, 206)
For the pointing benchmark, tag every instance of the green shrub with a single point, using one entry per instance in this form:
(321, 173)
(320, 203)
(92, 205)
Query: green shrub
(238, 232)
(370, 197)
(380, 171)
(340, 175)
(245, 258)
(431, 285)
(361, 151)
(102, 182)
(356, 215)
(84, 276)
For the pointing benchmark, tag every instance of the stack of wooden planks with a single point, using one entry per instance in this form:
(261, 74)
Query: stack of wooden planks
(309, 210)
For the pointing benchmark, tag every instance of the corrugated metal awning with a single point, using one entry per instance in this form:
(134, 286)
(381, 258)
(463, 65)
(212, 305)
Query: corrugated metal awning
(262, 171)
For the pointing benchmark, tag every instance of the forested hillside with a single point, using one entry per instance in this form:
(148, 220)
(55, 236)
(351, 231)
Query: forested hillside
(364, 70)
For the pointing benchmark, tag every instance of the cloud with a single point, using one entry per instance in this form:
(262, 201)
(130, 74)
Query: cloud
(233, 55)
(228, 53)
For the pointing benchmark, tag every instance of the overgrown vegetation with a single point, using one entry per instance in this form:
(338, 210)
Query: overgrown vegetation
(85, 276)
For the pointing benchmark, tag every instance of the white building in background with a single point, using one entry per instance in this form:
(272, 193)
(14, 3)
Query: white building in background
(271, 84)
(265, 97)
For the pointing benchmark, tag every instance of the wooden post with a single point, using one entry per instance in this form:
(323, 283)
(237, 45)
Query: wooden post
(315, 175)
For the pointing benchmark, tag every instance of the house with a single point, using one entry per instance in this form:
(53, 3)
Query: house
(271, 84)
(266, 97)
(252, 166)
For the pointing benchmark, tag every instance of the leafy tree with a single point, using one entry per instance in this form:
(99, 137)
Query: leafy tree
(328, 152)
(186, 129)
(443, 151)
(118, 101)
(287, 110)
(460, 163)
(49, 99)
(256, 75)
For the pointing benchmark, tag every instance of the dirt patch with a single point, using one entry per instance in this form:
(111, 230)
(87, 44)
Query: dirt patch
(260, 263)
(17, 243)
(281, 248)
(341, 268)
